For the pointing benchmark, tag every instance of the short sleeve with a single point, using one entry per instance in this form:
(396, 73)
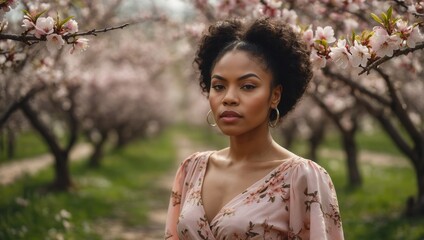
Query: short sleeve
(314, 210)
(177, 193)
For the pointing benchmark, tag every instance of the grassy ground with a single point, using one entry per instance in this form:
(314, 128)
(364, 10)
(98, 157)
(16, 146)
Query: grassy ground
(27, 144)
(121, 190)
(124, 187)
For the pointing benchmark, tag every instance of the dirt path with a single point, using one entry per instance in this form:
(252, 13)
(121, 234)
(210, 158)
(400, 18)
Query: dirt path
(9, 172)
(115, 229)
(377, 159)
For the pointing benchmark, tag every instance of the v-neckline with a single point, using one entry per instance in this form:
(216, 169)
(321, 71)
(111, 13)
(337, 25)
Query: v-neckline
(202, 179)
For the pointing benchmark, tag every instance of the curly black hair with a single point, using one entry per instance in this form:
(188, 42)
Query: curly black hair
(272, 42)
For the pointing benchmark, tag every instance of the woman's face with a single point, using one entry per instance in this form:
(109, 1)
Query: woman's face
(240, 95)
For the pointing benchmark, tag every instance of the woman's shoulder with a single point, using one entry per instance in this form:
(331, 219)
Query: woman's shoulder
(307, 168)
(195, 160)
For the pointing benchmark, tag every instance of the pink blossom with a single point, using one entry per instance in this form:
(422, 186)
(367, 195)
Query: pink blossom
(326, 33)
(308, 37)
(54, 41)
(382, 43)
(81, 44)
(317, 61)
(274, 3)
(339, 54)
(289, 16)
(360, 55)
(44, 26)
(414, 37)
(71, 26)
(28, 24)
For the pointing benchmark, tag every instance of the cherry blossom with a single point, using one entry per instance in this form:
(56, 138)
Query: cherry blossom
(54, 42)
(6, 5)
(44, 26)
(308, 37)
(360, 55)
(326, 33)
(81, 44)
(317, 60)
(71, 26)
(382, 43)
(340, 55)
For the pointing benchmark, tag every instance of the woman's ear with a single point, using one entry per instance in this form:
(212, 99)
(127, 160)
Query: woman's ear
(276, 96)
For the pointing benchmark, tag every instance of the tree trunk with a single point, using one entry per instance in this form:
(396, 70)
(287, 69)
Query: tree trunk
(62, 178)
(289, 134)
(415, 206)
(97, 155)
(314, 141)
(10, 144)
(350, 148)
(62, 181)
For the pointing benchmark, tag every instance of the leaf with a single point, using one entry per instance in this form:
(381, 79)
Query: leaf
(65, 21)
(38, 15)
(376, 18)
(389, 12)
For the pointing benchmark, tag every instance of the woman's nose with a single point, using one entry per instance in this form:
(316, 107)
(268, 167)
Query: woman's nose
(230, 98)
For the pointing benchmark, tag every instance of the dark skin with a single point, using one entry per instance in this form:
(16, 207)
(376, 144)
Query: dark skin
(241, 84)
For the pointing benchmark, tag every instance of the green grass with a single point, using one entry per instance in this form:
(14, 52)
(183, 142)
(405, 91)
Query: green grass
(376, 141)
(27, 144)
(121, 190)
(375, 210)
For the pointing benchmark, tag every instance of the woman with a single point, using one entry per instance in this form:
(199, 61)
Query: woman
(253, 74)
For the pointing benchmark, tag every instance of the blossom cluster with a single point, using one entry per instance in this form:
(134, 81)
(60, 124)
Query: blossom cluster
(390, 35)
(56, 32)
(8, 58)
(361, 50)
(6, 5)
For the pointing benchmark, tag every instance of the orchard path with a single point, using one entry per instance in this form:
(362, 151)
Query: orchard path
(9, 172)
(115, 229)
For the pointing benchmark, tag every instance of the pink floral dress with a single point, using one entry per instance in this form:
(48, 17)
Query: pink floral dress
(296, 200)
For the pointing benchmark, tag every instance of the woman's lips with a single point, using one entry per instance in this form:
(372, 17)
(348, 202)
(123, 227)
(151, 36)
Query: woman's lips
(229, 116)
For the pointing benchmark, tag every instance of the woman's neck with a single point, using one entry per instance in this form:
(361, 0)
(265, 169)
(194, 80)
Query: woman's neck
(251, 146)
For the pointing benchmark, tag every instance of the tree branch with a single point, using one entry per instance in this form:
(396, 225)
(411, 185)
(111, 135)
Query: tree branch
(27, 39)
(384, 59)
(357, 86)
(400, 111)
(72, 121)
(17, 104)
(41, 128)
(393, 132)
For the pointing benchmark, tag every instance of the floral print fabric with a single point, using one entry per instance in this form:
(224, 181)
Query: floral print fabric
(296, 200)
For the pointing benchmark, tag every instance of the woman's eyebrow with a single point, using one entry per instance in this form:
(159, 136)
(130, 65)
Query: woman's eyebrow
(248, 75)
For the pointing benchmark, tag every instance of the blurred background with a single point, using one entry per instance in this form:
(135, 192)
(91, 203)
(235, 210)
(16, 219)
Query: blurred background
(90, 141)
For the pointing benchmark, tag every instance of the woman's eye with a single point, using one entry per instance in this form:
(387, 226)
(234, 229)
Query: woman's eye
(248, 87)
(218, 87)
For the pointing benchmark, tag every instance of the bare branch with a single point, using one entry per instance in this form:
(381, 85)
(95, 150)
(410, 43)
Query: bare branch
(14, 106)
(94, 32)
(384, 59)
(400, 111)
(390, 128)
(357, 86)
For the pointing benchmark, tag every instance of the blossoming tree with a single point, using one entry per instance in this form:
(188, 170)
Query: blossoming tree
(35, 74)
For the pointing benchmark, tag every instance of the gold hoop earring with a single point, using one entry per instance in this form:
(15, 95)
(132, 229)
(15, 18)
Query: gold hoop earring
(207, 119)
(274, 123)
